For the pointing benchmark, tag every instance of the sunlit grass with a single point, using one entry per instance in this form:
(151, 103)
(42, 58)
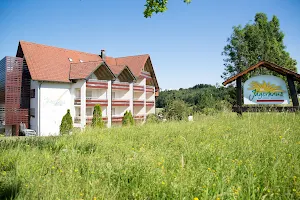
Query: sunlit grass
(215, 157)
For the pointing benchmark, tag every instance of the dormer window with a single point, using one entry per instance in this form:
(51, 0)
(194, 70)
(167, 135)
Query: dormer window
(70, 59)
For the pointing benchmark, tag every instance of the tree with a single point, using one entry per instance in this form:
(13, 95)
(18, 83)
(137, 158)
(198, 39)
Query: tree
(157, 6)
(97, 117)
(66, 125)
(261, 40)
(127, 119)
(177, 110)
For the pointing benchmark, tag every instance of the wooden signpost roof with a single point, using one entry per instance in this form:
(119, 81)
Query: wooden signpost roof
(268, 65)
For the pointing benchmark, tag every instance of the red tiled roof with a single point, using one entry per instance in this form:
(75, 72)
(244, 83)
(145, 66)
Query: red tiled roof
(83, 70)
(47, 63)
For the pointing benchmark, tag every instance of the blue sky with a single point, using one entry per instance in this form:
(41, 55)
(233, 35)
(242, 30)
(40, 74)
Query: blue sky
(185, 43)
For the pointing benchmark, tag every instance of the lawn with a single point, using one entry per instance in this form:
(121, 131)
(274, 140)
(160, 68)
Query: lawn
(214, 157)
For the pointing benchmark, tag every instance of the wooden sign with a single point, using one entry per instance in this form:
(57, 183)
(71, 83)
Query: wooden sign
(265, 89)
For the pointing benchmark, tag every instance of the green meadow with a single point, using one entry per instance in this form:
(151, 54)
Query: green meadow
(222, 156)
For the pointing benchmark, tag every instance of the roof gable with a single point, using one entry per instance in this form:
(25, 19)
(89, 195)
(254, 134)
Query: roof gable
(268, 65)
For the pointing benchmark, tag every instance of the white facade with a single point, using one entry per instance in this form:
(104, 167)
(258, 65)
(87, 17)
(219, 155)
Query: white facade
(52, 100)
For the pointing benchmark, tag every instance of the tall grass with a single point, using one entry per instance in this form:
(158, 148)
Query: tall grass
(215, 157)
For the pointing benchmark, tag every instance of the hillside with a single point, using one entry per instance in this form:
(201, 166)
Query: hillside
(215, 157)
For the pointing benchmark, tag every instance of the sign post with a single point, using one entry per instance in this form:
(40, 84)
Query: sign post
(265, 90)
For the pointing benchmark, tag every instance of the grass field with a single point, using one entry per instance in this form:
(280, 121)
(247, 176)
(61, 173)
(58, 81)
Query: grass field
(215, 157)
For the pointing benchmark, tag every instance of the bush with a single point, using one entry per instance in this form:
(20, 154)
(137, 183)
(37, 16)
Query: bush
(177, 110)
(66, 125)
(127, 119)
(97, 117)
(152, 118)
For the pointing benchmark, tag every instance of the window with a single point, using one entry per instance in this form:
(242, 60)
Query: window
(32, 112)
(32, 93)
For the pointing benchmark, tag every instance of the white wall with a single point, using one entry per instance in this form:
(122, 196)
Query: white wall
(56, 98)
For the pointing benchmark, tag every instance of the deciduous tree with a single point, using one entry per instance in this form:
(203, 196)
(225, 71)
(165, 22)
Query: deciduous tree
(257, 41)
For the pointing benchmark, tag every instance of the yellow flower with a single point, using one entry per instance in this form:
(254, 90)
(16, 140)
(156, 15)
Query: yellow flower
(294, 190)
(94, 198)
(81, 194)
(163, 183)
(218, 198)
(196, 198)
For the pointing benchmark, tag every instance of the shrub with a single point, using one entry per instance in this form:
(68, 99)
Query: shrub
(152, 118)
(97, 117)
(66, 125)
(177, 110)
(127, 119)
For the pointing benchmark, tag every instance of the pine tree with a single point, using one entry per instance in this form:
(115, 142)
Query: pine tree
(66, 125)
(127, 119)
(97, 117)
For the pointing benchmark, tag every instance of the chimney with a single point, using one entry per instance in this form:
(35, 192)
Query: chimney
(103, 56)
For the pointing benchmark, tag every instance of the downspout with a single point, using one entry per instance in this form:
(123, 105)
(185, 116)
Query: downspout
(39, 106)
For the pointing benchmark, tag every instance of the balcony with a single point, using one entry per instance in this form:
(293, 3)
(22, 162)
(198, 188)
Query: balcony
(149, 103)
(91, 101)
(138, 88)
(138, 102)
(120, 102)
(120, 86)
(97, 84)
(150, 89)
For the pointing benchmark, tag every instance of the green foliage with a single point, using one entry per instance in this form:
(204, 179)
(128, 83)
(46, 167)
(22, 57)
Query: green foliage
(261, 40)
(97, 120)
(199, 97)
(157, 6)
(177, 110)
(221, 156)
(152, 119)
(66, 125)
(127, 119)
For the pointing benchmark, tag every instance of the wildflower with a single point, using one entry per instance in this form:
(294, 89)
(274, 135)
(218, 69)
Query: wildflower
(196, 198)
(218, 198)
(53, 167)
(94, 198)
(294, 190)
(76, 170)
(209, 169)
(81, 194)
(163, 183)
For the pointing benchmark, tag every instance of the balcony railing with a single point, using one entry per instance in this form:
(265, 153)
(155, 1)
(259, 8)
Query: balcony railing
(120, 86)
(138, 102)
(120, 102)
(149, 103)
(90, 101)
(97, 84)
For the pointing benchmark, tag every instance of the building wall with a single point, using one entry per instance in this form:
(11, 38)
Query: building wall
(56, 98)
(34, 106)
